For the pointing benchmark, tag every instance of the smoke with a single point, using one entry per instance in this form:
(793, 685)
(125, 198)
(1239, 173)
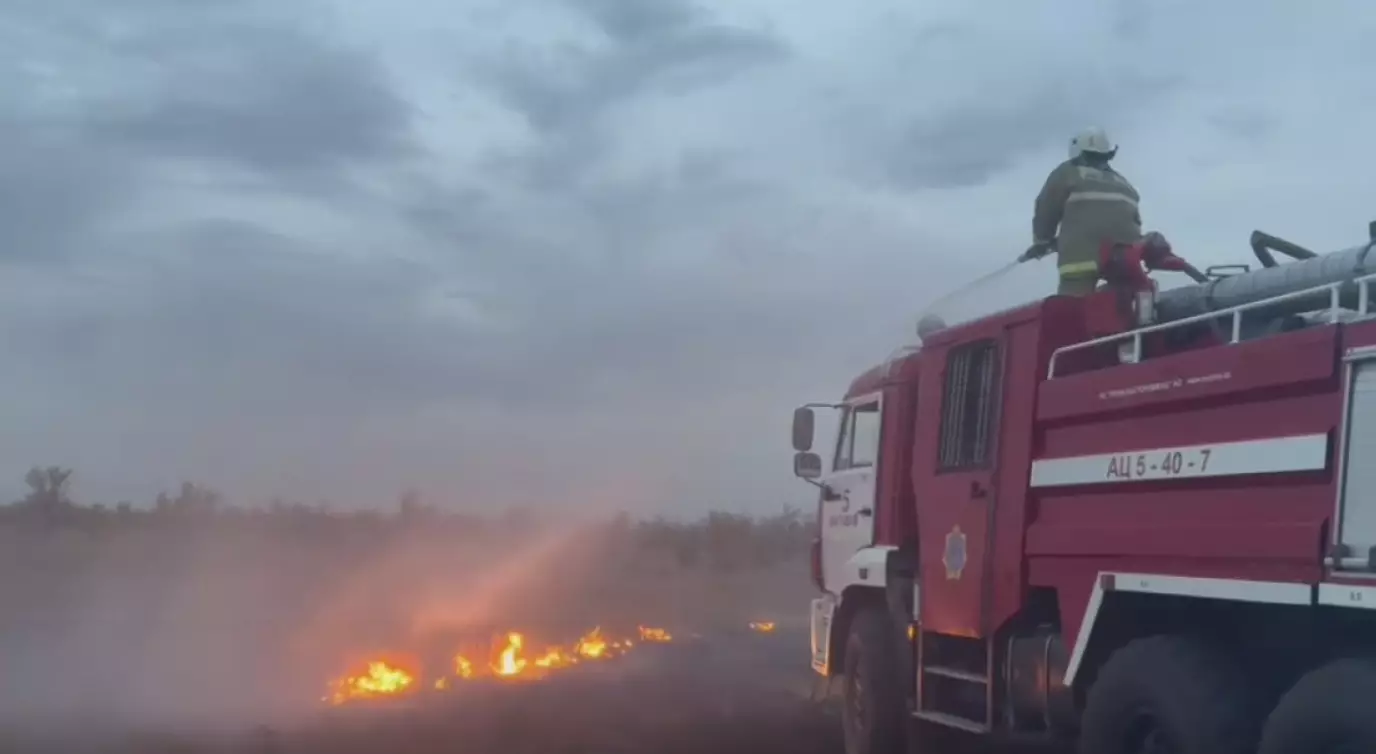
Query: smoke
(224, 625)
(147, 627)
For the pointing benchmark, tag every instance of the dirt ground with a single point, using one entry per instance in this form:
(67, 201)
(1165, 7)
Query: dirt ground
(159, 638)
(725, 695)
(149, 640)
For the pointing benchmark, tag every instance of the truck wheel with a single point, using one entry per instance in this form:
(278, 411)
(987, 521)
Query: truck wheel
(1328, 711)
(1169, 695)
(872, 714)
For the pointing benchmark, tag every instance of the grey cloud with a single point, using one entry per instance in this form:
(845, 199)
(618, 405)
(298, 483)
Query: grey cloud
(609, 235)
(682, 301)
(584, 312)
(268, 323)
(1131, 21)
(1245, 124)
(603, 317)
(971, 131)
(656, 44)
(54, 189)
(244, 339)
(966, 145)
(55, 186)
(94, 93)
(270, 99)
(617, 223)
(451, 214)
(659, 46)
(697, 189)
(631, 21)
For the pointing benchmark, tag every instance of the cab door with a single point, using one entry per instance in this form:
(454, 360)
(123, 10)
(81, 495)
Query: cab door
(954, 475)
(848, 492)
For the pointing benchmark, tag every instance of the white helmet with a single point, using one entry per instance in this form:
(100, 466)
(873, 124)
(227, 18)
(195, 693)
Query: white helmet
(1093, 140)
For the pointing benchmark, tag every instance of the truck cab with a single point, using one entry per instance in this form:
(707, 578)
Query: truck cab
(1122, 521)
(862, 554)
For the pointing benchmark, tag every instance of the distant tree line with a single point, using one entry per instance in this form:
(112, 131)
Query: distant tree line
(721, 540)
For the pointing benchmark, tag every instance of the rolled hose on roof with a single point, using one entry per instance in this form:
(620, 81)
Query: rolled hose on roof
(1269, 282)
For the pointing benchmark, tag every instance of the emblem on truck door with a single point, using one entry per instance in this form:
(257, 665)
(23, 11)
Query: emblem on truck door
(954, 556)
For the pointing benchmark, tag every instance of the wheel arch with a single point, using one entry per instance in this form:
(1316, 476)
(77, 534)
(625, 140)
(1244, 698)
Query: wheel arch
(854, 599)
(894, 595)
(1251, 630)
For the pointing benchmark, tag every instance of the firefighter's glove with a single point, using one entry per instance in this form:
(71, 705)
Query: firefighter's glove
(1037, 251)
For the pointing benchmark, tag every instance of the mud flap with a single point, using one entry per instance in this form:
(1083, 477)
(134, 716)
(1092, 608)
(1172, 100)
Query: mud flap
(900, 595)
(823, 608)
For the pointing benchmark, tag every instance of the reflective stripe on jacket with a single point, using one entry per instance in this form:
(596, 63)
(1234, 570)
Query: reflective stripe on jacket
(1078, 269)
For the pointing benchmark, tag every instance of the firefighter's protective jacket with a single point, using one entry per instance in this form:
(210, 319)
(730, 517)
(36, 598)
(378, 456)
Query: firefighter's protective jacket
(1091, 204)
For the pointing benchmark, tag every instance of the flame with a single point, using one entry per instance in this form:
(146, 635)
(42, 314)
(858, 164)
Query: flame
(591, 644)
(510, 662)
(657, 635)
(764, 627)
(512, 657)
(554, 657)
(380, 680)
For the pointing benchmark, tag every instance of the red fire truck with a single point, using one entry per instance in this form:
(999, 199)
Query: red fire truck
(1139, 520)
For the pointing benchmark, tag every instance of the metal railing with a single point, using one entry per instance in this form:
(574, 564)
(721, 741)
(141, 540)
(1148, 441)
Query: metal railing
(1335, 309)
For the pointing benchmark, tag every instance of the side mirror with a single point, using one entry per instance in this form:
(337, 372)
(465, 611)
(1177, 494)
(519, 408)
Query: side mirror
(807, 465)
(803, 419)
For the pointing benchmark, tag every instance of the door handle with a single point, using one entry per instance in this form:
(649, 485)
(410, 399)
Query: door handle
(865, 512)
(977, 490)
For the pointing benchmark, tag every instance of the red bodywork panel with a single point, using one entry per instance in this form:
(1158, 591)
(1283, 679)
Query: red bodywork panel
(1246, 527)
(1018, 537)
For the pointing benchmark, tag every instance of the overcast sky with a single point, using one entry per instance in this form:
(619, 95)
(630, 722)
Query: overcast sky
(582, 252)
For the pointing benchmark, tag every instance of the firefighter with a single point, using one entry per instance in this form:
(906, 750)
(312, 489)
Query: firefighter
(1092, 204)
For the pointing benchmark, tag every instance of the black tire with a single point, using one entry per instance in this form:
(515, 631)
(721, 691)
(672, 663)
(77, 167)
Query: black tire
(1173, 693)
(873, 718)
(1328, 711)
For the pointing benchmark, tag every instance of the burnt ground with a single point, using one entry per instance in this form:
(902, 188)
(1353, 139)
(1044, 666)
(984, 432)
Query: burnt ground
(241, 625)
(734, 693)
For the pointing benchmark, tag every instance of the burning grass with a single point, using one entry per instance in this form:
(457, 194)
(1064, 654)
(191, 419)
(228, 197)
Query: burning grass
(510, 656)
(731, 692)
(379, 680)
(174, 628)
